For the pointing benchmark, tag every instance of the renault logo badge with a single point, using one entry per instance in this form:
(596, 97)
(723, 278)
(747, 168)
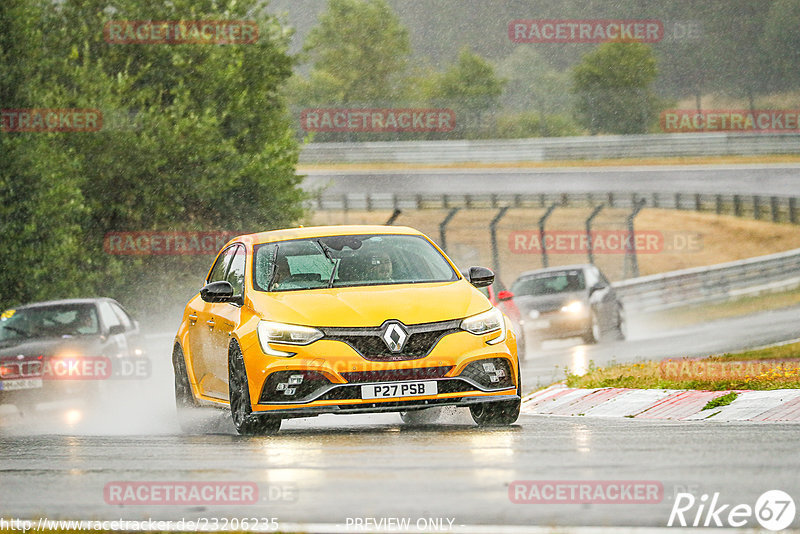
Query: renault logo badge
(395, 336)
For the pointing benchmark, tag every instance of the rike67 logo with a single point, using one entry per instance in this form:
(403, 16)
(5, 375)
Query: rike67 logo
(774, 510)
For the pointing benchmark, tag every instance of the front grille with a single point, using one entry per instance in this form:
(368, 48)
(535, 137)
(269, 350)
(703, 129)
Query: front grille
(27, 368)
(492, 373)
(394, 375)
(422, 338)
(292, 386)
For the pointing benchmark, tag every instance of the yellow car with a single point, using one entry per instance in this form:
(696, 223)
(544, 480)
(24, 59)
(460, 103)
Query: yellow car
(343, 319)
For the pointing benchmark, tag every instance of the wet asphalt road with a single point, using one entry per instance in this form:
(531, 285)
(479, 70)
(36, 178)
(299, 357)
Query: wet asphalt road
(327, 471)
(762, 179)
(57, 460)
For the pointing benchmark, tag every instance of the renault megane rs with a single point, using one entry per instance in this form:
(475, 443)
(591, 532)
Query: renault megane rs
(343, 319)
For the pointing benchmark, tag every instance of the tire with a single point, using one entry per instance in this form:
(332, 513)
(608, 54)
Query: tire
(425, 416)
(246, 423)
(592, 335)
(621, 328)
(521, 345)
(503, 413)
(184, 399)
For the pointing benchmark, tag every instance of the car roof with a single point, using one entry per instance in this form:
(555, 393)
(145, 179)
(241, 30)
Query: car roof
(63, 302)
(323, 231)
(582, 266)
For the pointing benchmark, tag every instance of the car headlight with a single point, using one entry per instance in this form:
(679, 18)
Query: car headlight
(485, 323)
(576, 307)
(286, 334)
(533, 314)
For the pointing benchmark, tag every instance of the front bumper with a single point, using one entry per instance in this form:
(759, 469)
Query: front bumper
(404, 405)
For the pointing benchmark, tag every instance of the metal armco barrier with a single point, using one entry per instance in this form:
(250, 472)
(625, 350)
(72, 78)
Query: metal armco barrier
(716, 283)
(553, 148)
(782, 208)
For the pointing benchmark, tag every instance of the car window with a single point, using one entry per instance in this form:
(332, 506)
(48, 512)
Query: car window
(348, 261)
(49, 321)
(122, 315)
(107, 315)
(217, 273)
(591, 277)
(550, 283)
(236, 270)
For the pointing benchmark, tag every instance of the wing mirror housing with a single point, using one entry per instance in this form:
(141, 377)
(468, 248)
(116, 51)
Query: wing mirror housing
(480, 276)
(221, 291)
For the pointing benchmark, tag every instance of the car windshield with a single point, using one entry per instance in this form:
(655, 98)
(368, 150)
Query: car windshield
(49, 321)
(550, 283)
(342, 261)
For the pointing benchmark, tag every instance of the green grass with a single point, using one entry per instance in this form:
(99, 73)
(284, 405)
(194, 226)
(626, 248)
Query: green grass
(764, 369)
(724, 400)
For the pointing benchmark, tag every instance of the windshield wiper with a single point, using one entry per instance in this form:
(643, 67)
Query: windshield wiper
(273, 269)
(326, 250)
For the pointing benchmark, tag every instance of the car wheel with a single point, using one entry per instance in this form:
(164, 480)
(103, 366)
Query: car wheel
(184, 400)
(593, 334)
(244, 420)
(621, 330)
(521, 345)
(425, 416)
(501, 413)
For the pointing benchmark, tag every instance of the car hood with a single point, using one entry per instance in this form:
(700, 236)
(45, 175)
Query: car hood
(84, 345)
(372, 305)
(546, 303)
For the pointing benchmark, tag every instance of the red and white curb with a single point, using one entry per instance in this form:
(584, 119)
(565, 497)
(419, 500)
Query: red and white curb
(671, 404)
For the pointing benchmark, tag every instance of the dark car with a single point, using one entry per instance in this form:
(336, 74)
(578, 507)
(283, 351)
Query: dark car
(57, 348)
(569, 301)
(499, 296)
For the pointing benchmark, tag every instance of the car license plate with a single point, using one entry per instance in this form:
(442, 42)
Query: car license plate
(398, 389)
(541, 323)
(20, 383)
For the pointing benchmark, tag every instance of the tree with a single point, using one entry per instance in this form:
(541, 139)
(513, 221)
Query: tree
(359, 53)
(41, 205)
(612, 86)
(781, 42)
(195, 137)
(471, 88)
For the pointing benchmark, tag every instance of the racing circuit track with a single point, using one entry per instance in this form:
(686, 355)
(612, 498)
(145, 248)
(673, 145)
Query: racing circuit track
(329, 469)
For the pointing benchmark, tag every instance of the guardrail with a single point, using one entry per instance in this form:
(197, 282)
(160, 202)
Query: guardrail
(553, 148)
(716, 283)
(773, 208)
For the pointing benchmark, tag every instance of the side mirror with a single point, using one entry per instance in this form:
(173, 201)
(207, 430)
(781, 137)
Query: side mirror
(480, 276)
(505, 295)
(597, 287)
(115, 329)
(221, 291)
